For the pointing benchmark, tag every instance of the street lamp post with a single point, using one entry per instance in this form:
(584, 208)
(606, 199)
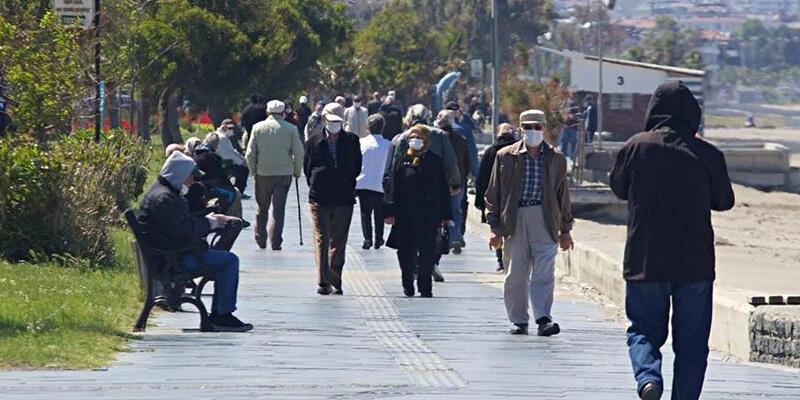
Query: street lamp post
(495, 72)
(600, 76)
(98, 123)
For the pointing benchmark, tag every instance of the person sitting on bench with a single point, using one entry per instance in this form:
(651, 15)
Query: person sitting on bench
(167, 224)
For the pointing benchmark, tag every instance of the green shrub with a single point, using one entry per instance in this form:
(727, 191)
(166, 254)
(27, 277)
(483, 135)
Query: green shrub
(61, 199)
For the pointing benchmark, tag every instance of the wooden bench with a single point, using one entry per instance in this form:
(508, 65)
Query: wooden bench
(163, 280)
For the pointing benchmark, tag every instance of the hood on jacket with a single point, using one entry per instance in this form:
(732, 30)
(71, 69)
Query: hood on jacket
(673, 105)
(177, 169)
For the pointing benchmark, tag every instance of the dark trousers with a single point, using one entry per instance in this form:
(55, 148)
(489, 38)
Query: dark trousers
(417, 254)
(371, 205)
(271, 191)
(464, 214)
(331, 227)
(240, 174)
(647, 305)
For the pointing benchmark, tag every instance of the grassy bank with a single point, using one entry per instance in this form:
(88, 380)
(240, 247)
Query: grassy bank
(70, 316)
(52, 316)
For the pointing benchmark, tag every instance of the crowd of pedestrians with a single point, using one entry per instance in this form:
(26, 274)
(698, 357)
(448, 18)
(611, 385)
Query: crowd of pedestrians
(411, 171)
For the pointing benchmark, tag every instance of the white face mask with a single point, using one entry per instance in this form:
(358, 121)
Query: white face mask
(333, 127)
(357, 104)
(184, 190)
(533, 137)
(416, 144)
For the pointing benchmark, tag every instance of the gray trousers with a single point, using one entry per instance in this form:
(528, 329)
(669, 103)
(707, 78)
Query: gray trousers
(530, 276)
(271, 190)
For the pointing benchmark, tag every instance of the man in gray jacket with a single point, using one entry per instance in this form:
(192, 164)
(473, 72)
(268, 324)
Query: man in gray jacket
(274, 155)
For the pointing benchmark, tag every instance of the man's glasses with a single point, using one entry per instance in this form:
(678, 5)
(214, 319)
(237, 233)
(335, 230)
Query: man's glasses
(538, 127)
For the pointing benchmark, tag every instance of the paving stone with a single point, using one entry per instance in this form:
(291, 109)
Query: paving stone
(374, 343)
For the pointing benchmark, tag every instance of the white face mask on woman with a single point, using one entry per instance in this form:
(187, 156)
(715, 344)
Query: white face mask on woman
(533, 137)
(333, 127)
(184, 190)
(416, 144)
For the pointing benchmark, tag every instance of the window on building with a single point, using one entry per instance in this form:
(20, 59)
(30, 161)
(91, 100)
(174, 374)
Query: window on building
(620, 101)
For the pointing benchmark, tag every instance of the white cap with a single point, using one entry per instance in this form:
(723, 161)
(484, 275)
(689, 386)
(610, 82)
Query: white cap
(303, 100)
(333, 112)
(392, 93)
(275, 107)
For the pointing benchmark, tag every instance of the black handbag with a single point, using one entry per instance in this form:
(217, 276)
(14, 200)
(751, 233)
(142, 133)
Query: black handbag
(443, 238)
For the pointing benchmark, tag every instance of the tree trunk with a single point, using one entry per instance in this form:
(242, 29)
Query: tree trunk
(217, 112)
(145, 109)
(166, 113)
(174, 125)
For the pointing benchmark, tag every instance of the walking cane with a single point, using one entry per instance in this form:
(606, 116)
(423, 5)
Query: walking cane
(299, 220)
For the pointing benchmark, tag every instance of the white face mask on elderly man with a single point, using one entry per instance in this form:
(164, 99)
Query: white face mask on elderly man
(533, 137)
(333, 127)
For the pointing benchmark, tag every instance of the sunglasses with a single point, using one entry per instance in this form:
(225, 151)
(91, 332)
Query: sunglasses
(538, 127)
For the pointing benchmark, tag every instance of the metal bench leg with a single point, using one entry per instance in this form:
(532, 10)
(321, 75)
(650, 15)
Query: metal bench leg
(149, 301)
(205, 322)
(198, 290)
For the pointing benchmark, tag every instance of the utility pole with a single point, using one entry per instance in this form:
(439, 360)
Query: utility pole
(600, 74)
(495, 71)
(98, 123)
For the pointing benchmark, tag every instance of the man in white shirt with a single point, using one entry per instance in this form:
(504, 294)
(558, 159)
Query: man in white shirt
(375, 156)
(355, 119)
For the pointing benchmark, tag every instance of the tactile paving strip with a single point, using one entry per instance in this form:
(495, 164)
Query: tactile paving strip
(424, 366)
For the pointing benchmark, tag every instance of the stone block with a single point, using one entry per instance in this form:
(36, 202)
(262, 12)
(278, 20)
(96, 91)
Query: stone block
(762, 157)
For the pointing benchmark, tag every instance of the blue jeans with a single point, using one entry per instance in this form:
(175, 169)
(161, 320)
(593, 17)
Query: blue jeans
(569, 142)
(224, 270)
(456, 236)
(647, 305)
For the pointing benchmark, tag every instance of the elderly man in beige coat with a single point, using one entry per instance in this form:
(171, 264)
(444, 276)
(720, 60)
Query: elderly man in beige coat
(274, 155)
(528, 207)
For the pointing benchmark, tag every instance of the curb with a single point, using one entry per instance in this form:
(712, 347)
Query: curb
(730, 326)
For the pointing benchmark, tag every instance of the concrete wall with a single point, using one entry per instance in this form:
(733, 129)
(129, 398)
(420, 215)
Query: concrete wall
(730, 330)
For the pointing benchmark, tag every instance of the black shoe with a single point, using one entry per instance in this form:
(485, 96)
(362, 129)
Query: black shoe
(324, 290)
(519, 329)
(262, 244)
(426, 295)
(367, 245)
(456, 249)
(277, 248)
(338, 291)
(650, 391)
(437, 275)
(228, 323)
(246, 196)
(245, 224)
(501, 269)
(379, 244)
(547, 327)
(408, 292)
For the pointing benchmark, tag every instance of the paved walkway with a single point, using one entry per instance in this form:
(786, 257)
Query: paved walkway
(373, 343)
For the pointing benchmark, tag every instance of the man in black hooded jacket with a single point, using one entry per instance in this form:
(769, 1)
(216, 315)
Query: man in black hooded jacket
(505, 137)
(672, 179)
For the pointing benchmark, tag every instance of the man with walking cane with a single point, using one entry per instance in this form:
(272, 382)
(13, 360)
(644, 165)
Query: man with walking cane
(274, 154)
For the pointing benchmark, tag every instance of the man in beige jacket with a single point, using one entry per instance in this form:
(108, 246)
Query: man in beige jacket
(528, 207)
(274, 155)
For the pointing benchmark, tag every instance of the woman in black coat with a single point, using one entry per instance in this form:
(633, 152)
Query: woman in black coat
(416, 204)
